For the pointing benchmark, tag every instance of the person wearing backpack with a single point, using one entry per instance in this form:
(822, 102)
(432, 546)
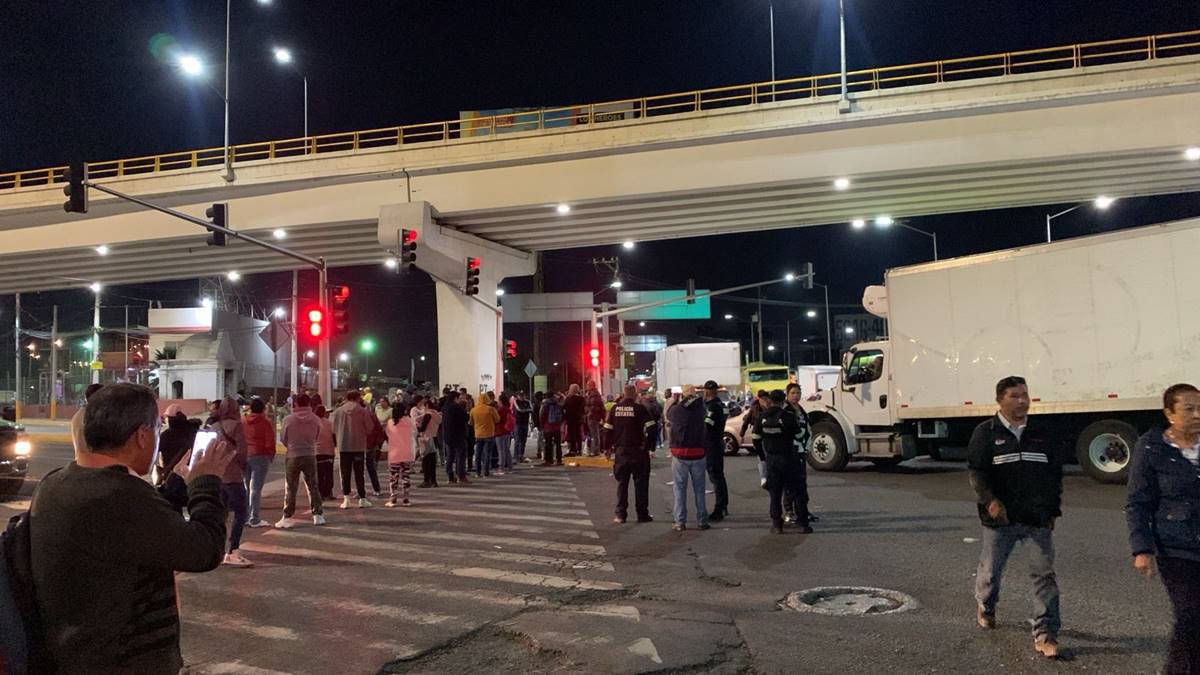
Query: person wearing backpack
(522, 412)
(551, 423)
(103, 545)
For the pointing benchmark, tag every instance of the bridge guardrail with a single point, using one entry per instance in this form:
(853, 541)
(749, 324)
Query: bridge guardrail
(496, 126)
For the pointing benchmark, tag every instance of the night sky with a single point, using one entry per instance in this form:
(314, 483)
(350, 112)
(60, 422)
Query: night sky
(94, 81)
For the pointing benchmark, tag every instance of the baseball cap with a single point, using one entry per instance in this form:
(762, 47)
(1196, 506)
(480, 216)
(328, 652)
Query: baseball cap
(711, 385)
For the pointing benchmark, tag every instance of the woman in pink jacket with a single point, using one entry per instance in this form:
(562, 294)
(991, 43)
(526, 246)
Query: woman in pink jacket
(401, 436)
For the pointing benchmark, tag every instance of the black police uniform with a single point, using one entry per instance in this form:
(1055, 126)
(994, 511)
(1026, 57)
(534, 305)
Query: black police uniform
(629, 426)
(800, 469)
(714, 454)
(780, 431)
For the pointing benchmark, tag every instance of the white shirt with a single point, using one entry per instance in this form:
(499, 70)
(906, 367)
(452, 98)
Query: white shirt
(1016, 430)
(1191, 454)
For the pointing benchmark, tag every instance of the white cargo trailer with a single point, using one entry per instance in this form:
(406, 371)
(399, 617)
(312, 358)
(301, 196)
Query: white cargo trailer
(1099, 326)
(695, 364)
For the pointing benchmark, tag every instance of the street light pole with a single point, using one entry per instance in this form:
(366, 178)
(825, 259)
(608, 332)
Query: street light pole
(931, 235)
(228, 159)
(842, 42)
(828, 323)
(1050, 217)
(96, 337)
(771, 24)
(305, 78)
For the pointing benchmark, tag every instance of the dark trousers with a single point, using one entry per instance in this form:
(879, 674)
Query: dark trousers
(456, 459)
(575, 437)
(234, 495)
(1182, 579)
(429, 468)
(325, 475)
(715, 458)
(521, 435)
(791, 499)
(633, 464)
(553, 452)
(355, 461)
(372, 463)
(294, 468)
(785, 482)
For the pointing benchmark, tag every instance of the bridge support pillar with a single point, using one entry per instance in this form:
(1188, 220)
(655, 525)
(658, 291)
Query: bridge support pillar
(470, 329)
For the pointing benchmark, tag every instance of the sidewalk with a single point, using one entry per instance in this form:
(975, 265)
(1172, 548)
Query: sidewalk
(46, 430)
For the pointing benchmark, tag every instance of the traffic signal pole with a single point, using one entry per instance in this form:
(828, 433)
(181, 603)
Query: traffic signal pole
(324, 381)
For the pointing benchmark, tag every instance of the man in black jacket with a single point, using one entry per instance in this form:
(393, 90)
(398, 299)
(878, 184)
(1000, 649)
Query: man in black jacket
(629, 426)
(781, 432)
(714, 449)
(1017, 475)
(455, 421)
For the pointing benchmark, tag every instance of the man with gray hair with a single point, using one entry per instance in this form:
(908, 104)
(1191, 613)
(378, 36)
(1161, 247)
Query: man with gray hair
(105, 546)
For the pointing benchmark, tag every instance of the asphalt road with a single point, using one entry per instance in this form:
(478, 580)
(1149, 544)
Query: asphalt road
(528, 573)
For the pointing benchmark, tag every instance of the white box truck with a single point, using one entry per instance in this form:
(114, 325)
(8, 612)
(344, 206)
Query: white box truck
(1099, 326)
(695, 364)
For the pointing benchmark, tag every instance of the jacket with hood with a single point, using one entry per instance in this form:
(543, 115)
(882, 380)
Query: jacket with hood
(401, 439)
(228, 425)
(353, 424)
(301, 430)
(688, 428)
(260, 435)
(176, 439)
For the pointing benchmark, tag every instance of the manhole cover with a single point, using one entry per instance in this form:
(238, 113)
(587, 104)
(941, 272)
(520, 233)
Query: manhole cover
(849, 601)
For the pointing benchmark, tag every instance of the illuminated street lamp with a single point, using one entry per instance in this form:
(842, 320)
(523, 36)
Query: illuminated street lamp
(283, 56)
(1101, 202)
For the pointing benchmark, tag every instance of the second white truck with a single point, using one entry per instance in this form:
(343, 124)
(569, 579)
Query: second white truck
(1099, 326)
(695, 364)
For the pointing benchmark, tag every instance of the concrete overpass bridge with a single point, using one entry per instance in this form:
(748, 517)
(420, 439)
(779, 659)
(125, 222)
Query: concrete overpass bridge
(1015, 129)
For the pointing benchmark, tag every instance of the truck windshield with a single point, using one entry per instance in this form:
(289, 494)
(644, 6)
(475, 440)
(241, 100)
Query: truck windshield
(767, 375)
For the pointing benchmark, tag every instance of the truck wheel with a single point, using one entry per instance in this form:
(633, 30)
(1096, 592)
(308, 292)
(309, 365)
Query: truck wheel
(731, 445)
(1104, 449)
(828, 451)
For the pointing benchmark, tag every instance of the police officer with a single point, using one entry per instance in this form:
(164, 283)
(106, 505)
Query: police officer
(781, 431)
(714, 449)
(757, 407)
(629, 427)
(801, 468)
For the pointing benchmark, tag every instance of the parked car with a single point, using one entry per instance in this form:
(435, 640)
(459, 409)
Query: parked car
(734, 439)
(15, 448)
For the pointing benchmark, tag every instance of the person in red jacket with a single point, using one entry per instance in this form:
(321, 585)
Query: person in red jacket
(551, 424)
(260, 452)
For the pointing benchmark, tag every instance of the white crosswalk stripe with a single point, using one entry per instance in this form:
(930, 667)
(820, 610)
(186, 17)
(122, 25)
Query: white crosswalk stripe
(396, 582)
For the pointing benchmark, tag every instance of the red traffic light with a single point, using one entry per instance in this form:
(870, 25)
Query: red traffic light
(410, 236)
(594, 353)
(473, 263)
(510, 348)
(316, 323)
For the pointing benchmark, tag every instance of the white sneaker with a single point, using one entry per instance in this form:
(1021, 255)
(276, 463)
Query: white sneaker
(364, 504)
(318, 519)
(235, 559)
(257, 523)
(346, 503)
(286, 523)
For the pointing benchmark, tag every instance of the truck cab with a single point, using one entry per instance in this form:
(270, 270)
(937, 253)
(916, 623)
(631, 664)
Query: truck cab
(856, 418)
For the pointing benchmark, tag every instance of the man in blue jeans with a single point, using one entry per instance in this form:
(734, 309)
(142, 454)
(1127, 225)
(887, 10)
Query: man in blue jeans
(1017, 475)
(687, 456)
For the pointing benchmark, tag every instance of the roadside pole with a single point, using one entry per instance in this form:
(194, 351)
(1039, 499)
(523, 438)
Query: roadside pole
(295, 341)
(17, 353)
(54, 365)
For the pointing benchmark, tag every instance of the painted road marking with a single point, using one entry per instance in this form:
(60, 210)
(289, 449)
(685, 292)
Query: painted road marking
(591, 549)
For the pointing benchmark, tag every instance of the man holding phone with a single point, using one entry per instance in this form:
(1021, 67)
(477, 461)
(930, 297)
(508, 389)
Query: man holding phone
(105, 545)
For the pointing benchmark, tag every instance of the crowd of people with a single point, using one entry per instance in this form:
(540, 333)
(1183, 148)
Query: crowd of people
(100, 544)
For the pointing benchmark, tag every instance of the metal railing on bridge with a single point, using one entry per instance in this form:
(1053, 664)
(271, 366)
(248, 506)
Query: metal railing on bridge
(497, 126)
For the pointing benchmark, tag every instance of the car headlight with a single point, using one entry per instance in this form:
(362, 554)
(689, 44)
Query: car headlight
(23, 448)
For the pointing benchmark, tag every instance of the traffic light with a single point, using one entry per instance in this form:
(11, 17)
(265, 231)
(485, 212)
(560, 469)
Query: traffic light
(75, 190)
(510, 349)
(315, 325)
(219, 215)
(594, 353)
(340, 309)
(408, 249)
(691, 290)
(807, 274)
(472, 287)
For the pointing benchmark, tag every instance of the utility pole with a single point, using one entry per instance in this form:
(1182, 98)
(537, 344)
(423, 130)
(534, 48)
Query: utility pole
(96, 337)
(760, 330)
(17, 356)
(126, 343)
(54, 365)
(294, 342)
